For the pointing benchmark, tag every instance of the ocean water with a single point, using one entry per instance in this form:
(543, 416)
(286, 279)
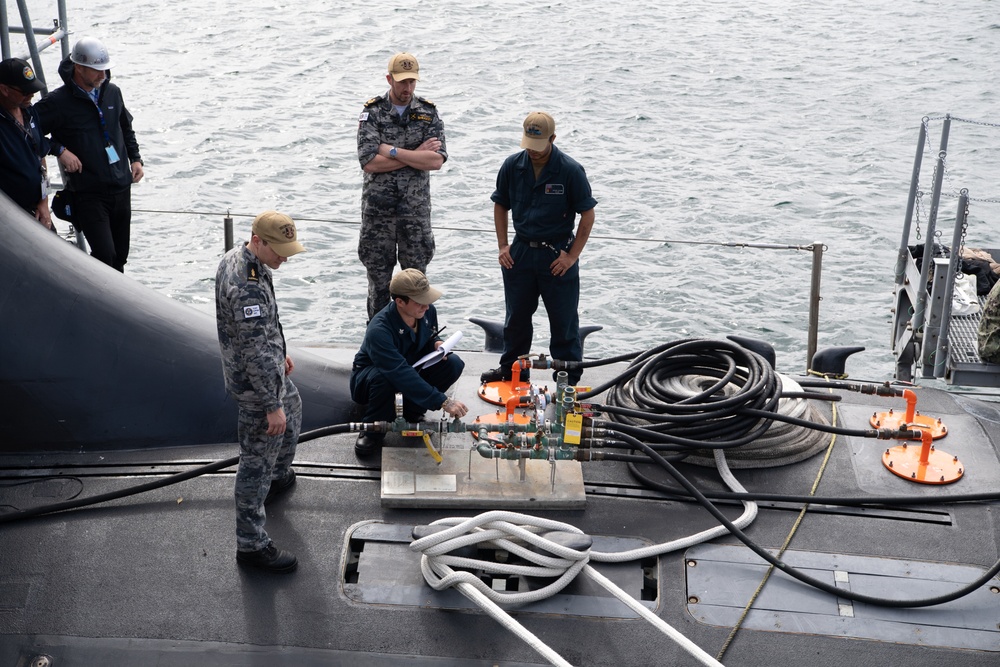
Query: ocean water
(700, 124)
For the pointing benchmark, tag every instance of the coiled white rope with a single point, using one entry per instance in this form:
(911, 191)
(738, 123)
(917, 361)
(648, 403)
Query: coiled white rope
(555, 550)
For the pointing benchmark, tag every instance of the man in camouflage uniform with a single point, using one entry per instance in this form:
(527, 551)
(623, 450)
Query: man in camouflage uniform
(400, 141)
(989, 328)
(256, 367)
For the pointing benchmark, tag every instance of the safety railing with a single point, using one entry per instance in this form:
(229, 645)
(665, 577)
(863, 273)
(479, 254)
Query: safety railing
(815, 249)
(928, 338)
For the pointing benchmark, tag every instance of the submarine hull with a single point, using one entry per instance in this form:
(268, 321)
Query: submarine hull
(91, 359)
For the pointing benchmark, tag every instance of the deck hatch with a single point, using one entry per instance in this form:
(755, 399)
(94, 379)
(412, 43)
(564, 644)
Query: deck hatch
(379, 568)
(723, 578)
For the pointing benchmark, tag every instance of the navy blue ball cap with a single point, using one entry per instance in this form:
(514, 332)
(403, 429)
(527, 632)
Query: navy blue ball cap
(17, 73)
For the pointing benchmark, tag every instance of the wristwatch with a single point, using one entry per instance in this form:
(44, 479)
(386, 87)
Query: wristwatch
(392, 152)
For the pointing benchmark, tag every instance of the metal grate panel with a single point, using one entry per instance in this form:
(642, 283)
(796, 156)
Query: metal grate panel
(963, 343)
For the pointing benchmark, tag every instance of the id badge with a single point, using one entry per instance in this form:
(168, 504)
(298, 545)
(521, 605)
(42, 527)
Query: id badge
(112, 154)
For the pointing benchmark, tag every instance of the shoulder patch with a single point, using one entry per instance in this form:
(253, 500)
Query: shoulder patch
(427, 102)
(373, 100)
(252, 274)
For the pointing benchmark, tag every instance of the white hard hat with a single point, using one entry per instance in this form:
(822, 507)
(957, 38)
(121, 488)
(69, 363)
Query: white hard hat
(89, 52)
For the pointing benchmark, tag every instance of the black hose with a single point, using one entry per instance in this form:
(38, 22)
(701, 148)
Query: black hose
(812, 395)
(76, 503)
(834, 384)
(121, 493)
(641, 403)
(791, 571)
(642, 396)
(628, 356)
(666, 441)
(643, 406)
(654, 435)
(843, 501)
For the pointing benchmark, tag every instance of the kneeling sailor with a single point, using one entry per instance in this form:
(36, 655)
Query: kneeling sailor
(399, 335)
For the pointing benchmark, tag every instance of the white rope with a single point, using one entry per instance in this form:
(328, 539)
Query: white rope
(506, 621)
(745, 519)
(664, 627)
(510, 531)
(492, 529)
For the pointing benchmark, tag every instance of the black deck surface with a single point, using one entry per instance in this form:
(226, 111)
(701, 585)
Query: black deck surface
(152, 579)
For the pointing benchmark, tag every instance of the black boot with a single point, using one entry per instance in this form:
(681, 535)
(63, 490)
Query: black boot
(368, 444)
(270, 558)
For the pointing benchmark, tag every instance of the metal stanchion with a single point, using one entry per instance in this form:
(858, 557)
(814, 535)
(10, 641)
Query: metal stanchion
(227, 223)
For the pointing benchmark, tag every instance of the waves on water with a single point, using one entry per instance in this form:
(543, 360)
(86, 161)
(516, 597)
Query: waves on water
(784, 123)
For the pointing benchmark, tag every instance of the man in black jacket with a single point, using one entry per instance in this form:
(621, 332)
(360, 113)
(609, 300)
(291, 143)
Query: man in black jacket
(92, 134)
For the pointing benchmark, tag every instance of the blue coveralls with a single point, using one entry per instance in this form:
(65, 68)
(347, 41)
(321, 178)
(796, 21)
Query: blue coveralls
(384, 366)
(543, 214)
(21, 153)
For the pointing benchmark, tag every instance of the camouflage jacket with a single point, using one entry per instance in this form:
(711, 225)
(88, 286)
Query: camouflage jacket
(989, 328)
(250, 335)
(406, 191)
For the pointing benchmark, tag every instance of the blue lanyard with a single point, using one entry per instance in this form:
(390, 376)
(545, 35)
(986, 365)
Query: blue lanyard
(94, 95)
(104, 125)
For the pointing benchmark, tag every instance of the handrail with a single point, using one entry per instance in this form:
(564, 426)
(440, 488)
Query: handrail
(923, 327)
(816, 249)
(925, 266)
(904, 253)
(941, 348)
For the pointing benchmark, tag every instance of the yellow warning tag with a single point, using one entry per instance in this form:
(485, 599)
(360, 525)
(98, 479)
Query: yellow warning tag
(574, 429)
(411, 434)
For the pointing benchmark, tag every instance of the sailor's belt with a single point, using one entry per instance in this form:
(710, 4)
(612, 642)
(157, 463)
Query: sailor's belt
(547, 243)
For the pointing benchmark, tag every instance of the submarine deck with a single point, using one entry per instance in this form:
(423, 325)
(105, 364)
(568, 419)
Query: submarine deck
(152, 579)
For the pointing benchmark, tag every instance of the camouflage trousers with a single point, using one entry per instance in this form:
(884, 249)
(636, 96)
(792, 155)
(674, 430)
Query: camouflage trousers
(989, 328)
(263, 458)
(383, 239)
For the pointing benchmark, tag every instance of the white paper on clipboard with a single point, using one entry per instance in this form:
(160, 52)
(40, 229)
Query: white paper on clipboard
(437, 355)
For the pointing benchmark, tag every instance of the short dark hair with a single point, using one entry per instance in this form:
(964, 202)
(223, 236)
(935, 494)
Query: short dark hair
(405, 299)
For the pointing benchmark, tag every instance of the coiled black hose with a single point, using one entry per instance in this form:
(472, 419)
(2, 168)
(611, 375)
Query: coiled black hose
(644, 397)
